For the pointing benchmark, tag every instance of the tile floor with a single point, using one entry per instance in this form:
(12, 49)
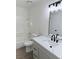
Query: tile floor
(21, 54)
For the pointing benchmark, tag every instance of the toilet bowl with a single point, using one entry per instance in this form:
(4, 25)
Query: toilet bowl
(28, 45)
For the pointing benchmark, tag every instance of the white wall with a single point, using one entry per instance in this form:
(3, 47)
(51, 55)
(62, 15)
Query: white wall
(39, 15)
(21, 26)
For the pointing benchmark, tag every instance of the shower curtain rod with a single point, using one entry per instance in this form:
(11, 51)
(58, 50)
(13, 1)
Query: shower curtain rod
(55, 3)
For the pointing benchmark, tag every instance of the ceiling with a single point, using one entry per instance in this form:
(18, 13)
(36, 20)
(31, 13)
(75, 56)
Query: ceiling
(25, 3)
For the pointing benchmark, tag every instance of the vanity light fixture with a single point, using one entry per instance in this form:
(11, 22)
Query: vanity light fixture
(55, 6)
(55, 3)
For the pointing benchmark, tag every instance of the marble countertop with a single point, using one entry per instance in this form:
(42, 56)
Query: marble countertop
(56, 49)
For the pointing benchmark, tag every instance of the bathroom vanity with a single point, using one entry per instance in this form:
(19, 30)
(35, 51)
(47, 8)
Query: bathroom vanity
(42, 49)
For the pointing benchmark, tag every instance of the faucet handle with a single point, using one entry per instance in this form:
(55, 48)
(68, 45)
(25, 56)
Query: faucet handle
(57, 35)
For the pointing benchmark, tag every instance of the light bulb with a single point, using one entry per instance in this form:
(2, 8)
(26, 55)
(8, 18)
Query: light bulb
(52, 8)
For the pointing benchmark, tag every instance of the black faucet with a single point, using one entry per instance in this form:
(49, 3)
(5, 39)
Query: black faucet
(53, 38)
(57, 35)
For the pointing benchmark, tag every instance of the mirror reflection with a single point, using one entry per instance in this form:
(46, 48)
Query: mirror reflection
(55, 21)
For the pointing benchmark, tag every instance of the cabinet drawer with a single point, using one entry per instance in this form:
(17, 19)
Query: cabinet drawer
(35, 56)
(35, 50)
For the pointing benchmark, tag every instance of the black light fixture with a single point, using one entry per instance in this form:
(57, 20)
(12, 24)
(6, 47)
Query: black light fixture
(55, 3)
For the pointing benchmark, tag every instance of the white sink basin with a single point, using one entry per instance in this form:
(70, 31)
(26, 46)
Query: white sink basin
(52, 43)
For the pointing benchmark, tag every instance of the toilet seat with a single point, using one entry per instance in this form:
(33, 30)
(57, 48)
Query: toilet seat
(28, 43)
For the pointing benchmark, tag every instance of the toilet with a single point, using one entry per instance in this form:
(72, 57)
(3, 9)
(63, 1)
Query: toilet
(28, 44)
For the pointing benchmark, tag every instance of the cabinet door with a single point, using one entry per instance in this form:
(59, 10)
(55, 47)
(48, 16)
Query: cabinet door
(35, 56)
(35, 51)
(43, 55)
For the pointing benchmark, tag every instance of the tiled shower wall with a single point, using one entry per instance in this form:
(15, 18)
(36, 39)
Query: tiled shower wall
(22, 29)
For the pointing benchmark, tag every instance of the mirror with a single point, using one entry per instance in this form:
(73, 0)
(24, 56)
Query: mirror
(55, 22)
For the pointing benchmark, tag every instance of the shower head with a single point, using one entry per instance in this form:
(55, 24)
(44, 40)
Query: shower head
(28, 1)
